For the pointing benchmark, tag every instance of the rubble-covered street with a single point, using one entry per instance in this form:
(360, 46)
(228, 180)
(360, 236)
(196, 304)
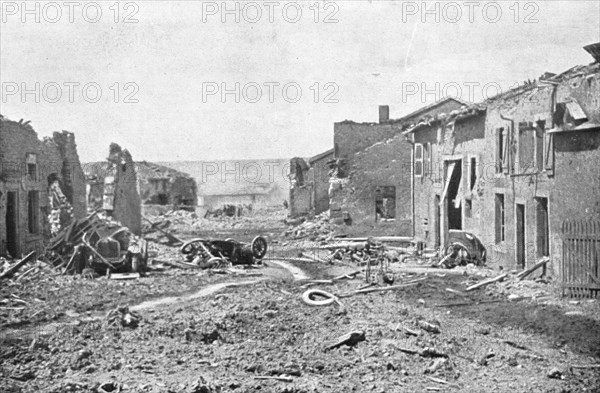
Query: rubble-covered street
(248, 329)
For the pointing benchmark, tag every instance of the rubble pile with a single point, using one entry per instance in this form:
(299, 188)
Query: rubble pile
(182, 222)
(99, 244)
(364, 253)
(34, 270)
(61, 211)
(317, 229)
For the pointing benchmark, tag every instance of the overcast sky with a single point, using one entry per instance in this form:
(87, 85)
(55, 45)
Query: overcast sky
(170, 65)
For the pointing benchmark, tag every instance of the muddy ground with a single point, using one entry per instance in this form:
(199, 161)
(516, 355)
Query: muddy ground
(202, 331)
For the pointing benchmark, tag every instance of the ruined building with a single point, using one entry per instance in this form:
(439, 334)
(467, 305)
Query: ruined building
(520, 171)
(112, 187)
(309, 184)
(161, 185)
(42, 186)
(370, 190)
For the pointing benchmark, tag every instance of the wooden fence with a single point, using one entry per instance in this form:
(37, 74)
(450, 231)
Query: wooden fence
(580, 270)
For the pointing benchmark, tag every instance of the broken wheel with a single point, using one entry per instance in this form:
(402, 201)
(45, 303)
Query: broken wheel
(191, 246)
(259, 247)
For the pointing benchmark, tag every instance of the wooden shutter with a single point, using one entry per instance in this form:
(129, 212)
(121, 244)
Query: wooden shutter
(418, 160)
(506, 153)
(498, 148)
(549, 153)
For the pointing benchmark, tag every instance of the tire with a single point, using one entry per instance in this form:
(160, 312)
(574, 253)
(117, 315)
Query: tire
(259, 247)
(307, 298)
(136, 263)
(188, 248)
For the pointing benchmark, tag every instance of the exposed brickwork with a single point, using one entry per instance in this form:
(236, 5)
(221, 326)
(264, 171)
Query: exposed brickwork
(386, 163)
(571, 187)
(320, 180)
(127, 202)
(55, 157)
(374, 156)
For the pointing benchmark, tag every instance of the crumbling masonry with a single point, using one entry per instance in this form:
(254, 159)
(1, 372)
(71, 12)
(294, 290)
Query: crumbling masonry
(42, 186)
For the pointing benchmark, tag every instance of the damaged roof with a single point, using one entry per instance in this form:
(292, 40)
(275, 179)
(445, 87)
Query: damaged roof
(320, 156)
(458, 114)
(149, 170)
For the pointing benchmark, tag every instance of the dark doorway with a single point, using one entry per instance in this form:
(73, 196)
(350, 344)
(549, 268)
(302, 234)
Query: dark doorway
(454, 197)
(163, 199)
(437, 222)
(542, 234)
(520, 211)
(12, 221)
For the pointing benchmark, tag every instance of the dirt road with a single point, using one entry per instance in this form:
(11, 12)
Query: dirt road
(208, 332)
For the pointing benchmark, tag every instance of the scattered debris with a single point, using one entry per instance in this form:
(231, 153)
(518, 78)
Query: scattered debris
(555, 373)
(487, 282)
(280, 378)
(14, 268)
(527, 272)
(429, 327)
(98, 243)
(219, 253)
(435, 365)
(349, 339)
(121, 316)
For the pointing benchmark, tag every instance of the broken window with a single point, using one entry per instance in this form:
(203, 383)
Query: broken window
(385, 203)
(427, 154)
(31, 160)
(539, 145)
(418, 160)
(527, 142)
(33, 208)
(500, 149)
(568, 114)
(500, 218)
(468, 207)
(473, 173)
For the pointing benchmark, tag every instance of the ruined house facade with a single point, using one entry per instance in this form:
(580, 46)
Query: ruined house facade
(519, 171)
(161, 185)
(514, 170)
(112, 187)
(371, 190)
(309, 184)
(33, 175)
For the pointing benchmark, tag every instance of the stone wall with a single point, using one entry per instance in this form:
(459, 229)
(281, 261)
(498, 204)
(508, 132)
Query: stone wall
(56, 158)
(127, 202)
(384, 164)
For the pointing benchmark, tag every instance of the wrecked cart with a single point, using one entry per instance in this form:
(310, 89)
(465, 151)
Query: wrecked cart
(212, 253)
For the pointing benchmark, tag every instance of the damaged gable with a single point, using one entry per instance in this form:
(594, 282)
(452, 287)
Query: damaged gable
(42, 186)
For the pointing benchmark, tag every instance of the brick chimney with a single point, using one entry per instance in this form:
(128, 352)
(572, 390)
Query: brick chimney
(384, 113)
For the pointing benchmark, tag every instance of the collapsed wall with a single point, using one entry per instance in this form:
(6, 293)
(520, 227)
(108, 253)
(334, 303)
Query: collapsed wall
(112, 187)
(32, 172)
(161, 185)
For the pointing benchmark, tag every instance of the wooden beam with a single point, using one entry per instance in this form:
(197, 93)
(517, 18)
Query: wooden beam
(487, 282)
(13, 269)
(527, 272)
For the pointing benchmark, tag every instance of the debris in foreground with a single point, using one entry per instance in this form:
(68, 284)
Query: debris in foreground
(99, 243)
(349, 339)
(121, 316)
(13, 269)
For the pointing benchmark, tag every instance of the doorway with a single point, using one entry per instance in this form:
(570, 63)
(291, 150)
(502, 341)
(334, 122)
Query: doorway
(437, 222)
(542, 234)
(12, 224)
(454, 195)
(520, 232)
